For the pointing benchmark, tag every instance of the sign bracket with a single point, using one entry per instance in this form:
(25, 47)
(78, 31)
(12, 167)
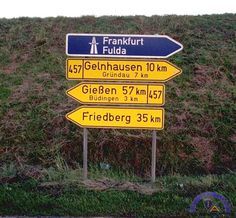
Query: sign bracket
(154, 149)
(85, 154)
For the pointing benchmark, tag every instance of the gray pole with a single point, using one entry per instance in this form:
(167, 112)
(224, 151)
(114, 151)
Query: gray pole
(154, 149)
(85, 155)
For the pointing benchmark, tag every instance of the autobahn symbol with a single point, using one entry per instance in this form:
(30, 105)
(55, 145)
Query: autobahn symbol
(119, 45)
(118, 117)
(93, 49)
(118, 69)
(118, 93)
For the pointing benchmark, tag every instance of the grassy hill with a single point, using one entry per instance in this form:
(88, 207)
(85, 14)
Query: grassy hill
(36, 140)
(199, 135)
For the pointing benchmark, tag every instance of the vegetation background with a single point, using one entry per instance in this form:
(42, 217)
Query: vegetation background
(37, 142)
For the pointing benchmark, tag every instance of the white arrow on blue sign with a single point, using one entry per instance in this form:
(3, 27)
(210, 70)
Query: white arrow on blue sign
(118, 45)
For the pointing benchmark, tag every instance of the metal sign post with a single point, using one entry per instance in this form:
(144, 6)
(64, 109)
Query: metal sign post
(85, 154)
(154, 149)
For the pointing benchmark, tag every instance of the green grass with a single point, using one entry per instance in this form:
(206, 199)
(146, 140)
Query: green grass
(172, 197)
(61, 191)
(4, 93)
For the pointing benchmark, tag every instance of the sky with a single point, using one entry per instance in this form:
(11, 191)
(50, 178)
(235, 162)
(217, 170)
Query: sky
(77, 8)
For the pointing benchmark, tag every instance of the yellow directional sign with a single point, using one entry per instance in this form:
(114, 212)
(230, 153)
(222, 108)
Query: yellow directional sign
(118, 93)
(118, 117)
(112, 69)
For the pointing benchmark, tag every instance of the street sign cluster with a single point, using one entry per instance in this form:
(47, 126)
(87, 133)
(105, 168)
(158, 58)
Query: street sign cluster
(122, 79)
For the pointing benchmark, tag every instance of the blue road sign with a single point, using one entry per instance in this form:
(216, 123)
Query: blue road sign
(111, 45)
